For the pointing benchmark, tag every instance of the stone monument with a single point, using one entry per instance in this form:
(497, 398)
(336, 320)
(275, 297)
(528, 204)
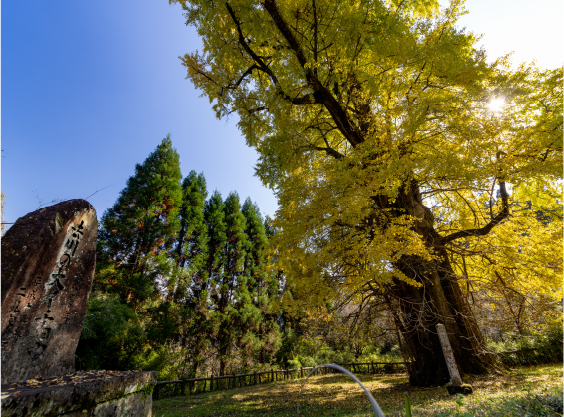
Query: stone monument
(48, 261)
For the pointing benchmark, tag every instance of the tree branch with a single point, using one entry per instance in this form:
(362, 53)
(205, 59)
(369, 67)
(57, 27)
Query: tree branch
(240, 80)
(325, 97)
(502, 215)
(262, 66)
(329, 151)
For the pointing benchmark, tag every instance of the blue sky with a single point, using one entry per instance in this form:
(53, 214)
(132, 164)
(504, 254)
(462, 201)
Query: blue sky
(88, 89)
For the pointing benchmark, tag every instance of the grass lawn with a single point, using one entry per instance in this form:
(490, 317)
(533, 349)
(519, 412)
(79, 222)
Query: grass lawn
(527, 391)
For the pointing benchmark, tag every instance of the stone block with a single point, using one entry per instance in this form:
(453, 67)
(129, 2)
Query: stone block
(48, 261)
(84, 394)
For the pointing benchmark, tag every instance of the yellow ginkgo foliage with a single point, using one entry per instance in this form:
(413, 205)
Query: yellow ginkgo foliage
(374, 128)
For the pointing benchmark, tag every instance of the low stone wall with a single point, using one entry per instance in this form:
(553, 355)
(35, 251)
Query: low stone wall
(92, 393)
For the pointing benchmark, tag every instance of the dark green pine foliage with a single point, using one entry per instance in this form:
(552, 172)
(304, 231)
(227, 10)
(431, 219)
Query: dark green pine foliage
(215, 265)
(112, 336)
(217, 239)
(191, 252)
(276, 279)
(231, 289)
(141, 225)
(188, 273)
(262, 332)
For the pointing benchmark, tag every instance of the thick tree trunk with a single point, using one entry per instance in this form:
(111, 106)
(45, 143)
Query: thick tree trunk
(438, 299)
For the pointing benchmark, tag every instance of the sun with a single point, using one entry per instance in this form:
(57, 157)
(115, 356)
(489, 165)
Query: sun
(496, 105)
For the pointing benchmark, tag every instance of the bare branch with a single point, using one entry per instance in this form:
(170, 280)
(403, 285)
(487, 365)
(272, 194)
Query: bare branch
(502, 215)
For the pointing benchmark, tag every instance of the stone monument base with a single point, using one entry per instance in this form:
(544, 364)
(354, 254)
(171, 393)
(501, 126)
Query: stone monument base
(84, 393)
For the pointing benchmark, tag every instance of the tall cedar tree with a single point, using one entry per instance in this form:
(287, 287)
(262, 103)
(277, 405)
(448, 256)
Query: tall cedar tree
(183, 259)
(230, 288)
(261, 284)
(372, 123)
(141, 225)
(192, 244)
(215, 266)
(191, 254)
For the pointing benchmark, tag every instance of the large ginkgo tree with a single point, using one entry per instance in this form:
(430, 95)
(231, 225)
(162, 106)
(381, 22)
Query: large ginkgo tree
(395, 151)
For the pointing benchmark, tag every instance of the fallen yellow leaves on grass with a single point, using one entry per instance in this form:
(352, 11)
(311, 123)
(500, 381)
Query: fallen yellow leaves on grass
(336, 395)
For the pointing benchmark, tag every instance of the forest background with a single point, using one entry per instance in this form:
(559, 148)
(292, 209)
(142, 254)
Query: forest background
(187, 284)
(152, 278)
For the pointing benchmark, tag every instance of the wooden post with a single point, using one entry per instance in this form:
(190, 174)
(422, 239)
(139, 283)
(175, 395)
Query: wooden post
(156, 392)
(183, 388)
(255, 377)
(449, 356)
(211, 383)
(272, 375)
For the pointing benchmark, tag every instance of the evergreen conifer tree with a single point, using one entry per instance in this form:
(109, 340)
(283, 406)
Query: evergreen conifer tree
(232, 291)
(215, 220)
(191, 254)
(195, 268)
(261, 284)
(141, 225)
(191, 247)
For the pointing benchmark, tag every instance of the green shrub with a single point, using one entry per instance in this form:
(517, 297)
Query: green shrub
(294, 363)
(545, 347)
(112, 336)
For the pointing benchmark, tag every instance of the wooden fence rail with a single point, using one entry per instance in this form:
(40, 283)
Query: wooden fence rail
(234, 381)
(199, 385)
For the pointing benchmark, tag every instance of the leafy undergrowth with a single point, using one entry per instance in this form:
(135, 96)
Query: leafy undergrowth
(527, 391)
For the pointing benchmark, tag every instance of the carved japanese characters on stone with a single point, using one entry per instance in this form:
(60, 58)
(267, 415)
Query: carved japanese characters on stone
(48, 260)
